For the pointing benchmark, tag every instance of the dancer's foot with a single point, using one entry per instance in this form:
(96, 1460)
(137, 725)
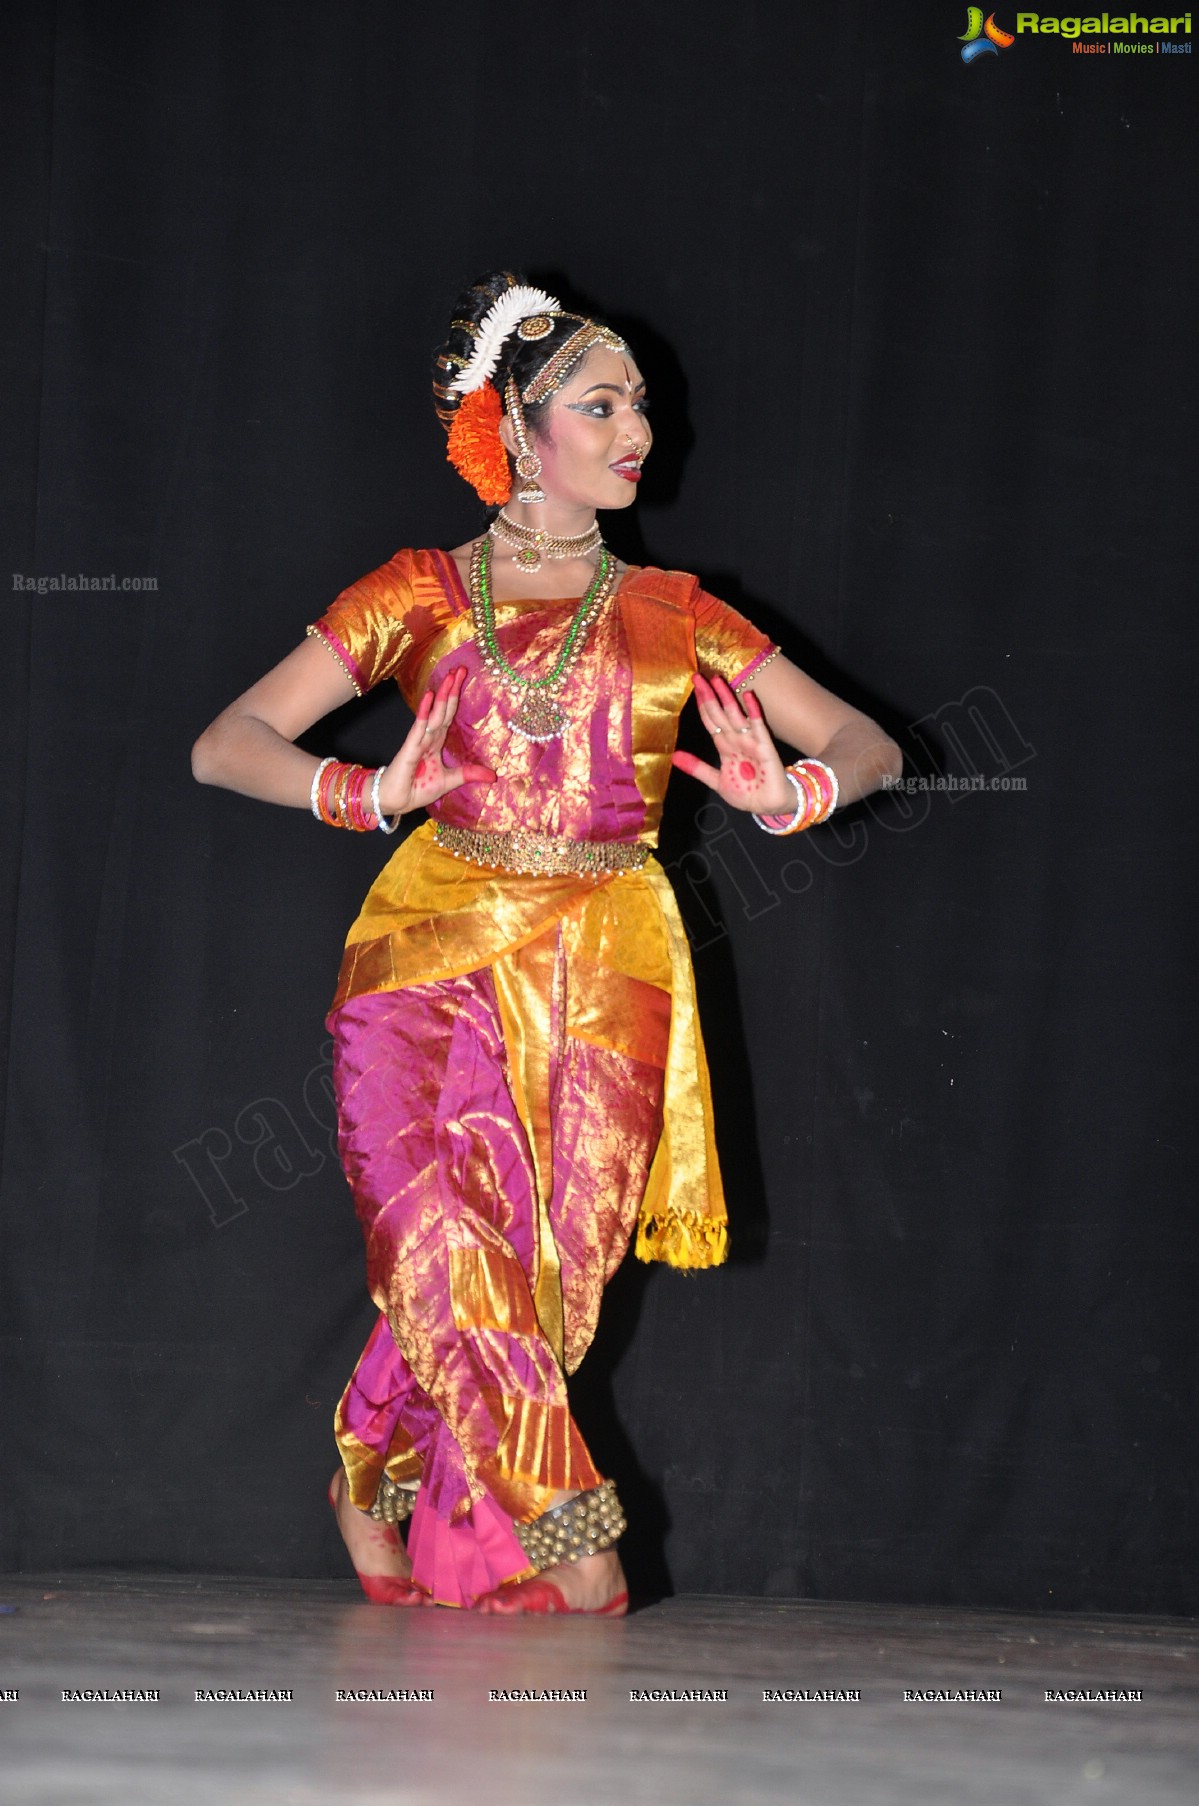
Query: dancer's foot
(379, 1557)
(594, 1584)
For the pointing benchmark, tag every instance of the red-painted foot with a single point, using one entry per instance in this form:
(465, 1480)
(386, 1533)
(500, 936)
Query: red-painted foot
(385, 1589)
(543, 1596)
(392, 1589)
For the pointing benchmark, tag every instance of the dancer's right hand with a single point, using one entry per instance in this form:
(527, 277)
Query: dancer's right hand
(418, 775)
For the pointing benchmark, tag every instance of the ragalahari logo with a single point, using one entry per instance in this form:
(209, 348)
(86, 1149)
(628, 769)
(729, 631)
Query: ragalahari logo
(982, 37)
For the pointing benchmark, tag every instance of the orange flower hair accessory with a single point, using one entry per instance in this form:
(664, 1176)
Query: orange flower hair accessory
(475, 448)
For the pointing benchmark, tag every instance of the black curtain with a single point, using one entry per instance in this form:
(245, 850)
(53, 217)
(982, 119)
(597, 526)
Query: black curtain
(922, 357)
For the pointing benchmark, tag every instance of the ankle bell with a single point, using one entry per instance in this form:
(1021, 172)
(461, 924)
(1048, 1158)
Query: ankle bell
(393, 1503)
(581, 1526)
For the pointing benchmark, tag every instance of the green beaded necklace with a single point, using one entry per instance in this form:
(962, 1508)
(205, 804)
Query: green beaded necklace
(540, 716)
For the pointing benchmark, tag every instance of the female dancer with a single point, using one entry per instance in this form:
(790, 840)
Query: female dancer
(518, 1065)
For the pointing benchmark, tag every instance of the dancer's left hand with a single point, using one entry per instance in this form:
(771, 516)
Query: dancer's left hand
(418, 775)
(750, 775)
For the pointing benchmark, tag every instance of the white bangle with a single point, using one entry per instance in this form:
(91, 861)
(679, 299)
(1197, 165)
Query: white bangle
(388, 828)
(832, 778)
(317, 775)
(803, 802)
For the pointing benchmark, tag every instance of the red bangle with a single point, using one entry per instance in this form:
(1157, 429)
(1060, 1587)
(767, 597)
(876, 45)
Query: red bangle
(339, 797)
(824, 782)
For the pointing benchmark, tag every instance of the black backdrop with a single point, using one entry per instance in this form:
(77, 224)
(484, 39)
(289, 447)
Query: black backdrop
(919, 339)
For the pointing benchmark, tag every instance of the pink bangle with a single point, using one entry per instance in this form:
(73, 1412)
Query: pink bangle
(816, 793)
(825, 779)
(356, 815)
(789, 824)
(337, 795)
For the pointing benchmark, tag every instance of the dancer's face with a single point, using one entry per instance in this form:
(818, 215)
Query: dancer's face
(595, 433)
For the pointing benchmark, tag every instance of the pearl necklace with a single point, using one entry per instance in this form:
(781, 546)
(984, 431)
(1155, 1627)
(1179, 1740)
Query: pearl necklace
(534, 545)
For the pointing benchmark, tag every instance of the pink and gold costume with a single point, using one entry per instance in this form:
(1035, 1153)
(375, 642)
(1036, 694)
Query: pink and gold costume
(520, 1074)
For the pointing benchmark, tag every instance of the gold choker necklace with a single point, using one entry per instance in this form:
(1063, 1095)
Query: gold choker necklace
(534, 545)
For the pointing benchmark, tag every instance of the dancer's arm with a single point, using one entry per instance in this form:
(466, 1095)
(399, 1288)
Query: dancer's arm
(250, 746)
(781, 699)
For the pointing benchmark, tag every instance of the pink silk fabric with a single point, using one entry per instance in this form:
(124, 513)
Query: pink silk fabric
(443, 1177)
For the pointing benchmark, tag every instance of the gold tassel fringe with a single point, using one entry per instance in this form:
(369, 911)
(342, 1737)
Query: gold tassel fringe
(682, 1238)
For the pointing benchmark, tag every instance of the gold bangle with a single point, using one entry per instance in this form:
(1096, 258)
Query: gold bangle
(815, 793)
(343, 785)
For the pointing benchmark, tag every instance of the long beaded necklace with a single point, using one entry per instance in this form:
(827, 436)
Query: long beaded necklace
(540, 716)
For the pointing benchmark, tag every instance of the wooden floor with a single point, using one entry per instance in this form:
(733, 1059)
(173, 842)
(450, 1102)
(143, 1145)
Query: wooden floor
(180, 1635)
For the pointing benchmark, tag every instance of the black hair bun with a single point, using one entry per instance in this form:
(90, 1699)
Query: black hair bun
(520, 358)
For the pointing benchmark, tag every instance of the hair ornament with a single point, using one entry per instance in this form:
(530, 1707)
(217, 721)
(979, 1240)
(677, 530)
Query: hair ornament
(537, 326)
(520, 302)
(475, 448)
(557, 368)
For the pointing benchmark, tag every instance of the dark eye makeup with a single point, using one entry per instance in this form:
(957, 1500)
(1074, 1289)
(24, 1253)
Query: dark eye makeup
(601, 410)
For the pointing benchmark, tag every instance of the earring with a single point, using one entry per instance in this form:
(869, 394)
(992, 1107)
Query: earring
(528, 464)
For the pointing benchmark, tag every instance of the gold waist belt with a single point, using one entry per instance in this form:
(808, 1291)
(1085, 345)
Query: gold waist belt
(541, 855)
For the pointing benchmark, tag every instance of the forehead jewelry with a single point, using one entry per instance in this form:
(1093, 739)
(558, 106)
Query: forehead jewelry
(556, 368)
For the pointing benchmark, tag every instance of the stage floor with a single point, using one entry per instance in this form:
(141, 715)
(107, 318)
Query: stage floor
(313, 1639)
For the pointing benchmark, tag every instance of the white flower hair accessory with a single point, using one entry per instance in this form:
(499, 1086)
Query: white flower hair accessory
(518, 303)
